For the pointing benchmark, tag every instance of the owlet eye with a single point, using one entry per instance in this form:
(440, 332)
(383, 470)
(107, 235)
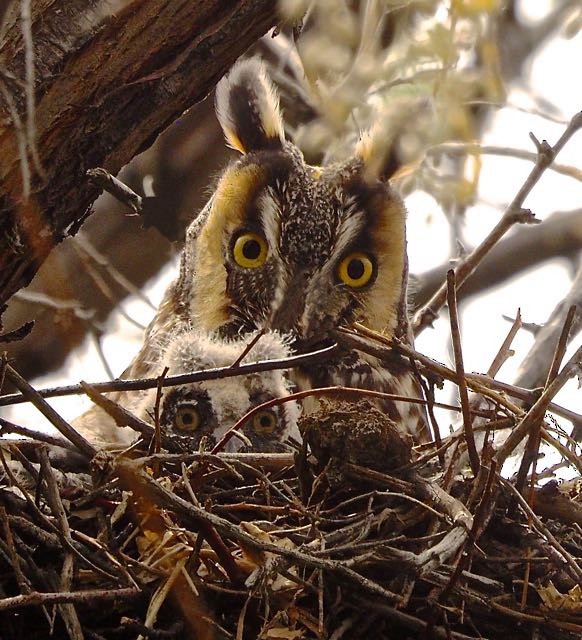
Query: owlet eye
(356, 270)
(250, 250)
(187, 418)
(264, 422)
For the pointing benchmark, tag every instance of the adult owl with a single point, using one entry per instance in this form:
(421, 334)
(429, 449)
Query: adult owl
(286, 246)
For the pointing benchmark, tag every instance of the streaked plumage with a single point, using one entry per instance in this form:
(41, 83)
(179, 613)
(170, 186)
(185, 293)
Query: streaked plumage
(286, 246)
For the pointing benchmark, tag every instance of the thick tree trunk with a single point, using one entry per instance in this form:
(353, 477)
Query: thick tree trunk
(106, 86)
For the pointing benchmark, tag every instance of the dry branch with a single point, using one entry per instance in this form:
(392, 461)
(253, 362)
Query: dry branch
(197, 376)
(535, 365)
(514, 214)
(559, 236)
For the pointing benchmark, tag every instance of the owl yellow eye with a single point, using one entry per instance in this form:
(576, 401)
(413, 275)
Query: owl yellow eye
(187, 418)
(355, 270)
(264, 422)
(250, 250)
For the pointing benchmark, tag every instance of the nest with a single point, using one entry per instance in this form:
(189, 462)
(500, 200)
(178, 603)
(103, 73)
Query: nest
(355, 534)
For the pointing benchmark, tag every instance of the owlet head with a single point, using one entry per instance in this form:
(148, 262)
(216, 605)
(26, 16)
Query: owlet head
(210, 408)
(289, 246)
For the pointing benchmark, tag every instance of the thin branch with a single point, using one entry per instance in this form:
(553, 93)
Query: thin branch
(514, 214)
(536, 413)
(121, 416)
(118, 189)
(82, 597)
(460, 371)
(219, 373)
(560, 235)
(533, 443)
(36, 436)
(83, 241)
(474, 148)
(83, 445)
(505, 351)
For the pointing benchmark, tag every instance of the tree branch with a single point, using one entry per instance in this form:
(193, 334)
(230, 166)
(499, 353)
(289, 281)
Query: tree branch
(513, 214)
(560, 235)
(95, 107)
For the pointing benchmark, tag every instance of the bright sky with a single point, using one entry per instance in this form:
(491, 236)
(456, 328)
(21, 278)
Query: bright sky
(483, 329)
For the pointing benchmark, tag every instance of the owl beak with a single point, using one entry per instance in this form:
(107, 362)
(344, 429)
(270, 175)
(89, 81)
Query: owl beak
(288, 312)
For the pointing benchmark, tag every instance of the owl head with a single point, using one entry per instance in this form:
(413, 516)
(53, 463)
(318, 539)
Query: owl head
(288, 246)
(209, 409)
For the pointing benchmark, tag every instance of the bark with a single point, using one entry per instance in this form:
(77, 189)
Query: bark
(69, 295)
(106, 86)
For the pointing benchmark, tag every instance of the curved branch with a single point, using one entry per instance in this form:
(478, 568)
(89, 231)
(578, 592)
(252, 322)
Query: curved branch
(560, 235)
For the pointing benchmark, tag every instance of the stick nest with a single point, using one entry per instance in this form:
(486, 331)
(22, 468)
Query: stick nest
(356, 534)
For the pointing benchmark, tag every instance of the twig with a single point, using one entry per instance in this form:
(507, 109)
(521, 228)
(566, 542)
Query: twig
(157, 417)
(83, 241)
(513, 214)
(558, 236)
(21, 580)
(68, 611)
(474, 148)
(534, 439)
(122, 417)
(102, 284)
(247, 349)
(505, 351)
(120, 191)
(267, 461)
(537, 411)
(536, 619)
(213, 539)
(84, 446)
(96, 336)
(82, 597)
(35, 436)
(563, 340)
(482, 514)
(171, 381)
(460, 370)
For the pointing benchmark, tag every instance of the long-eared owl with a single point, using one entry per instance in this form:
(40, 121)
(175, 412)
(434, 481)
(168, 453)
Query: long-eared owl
(295, 248)
(208, 409)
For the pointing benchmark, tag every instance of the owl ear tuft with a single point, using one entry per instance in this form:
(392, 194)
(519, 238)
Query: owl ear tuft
(247, 107)
(375, 149)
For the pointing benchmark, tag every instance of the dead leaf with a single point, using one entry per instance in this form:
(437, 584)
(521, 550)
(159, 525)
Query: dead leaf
(553, 600)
